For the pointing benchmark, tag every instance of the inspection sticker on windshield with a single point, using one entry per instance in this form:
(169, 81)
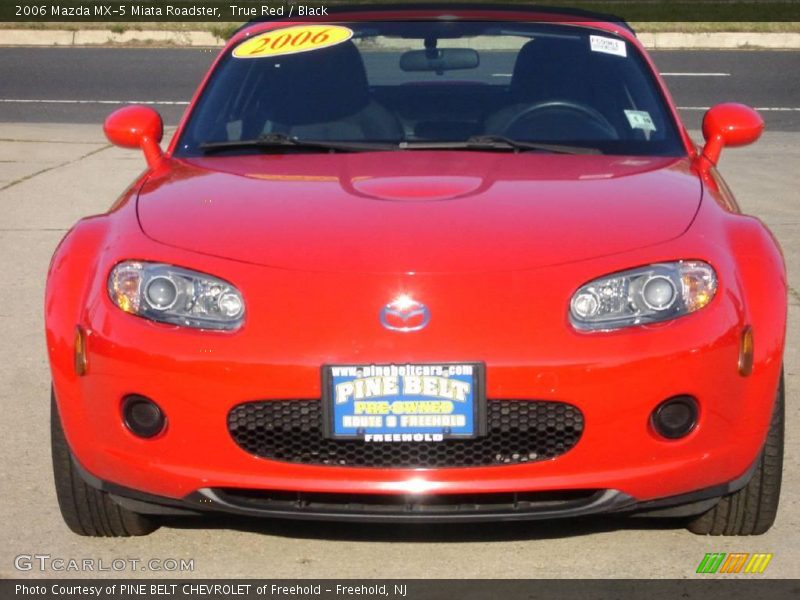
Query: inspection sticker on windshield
(640, 119)
(404, 403)
(293, 40)
(608, 45)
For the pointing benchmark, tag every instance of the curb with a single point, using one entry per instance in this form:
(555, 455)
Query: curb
(106, 37)
(720, 40)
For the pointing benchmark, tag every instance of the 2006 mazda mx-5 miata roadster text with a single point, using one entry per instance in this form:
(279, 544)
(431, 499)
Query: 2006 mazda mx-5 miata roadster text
(422, 264)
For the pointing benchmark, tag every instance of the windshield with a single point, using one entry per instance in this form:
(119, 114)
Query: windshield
(432, 85)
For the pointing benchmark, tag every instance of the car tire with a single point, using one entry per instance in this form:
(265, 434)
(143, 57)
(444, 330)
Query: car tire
(86, 510)
(752, 509)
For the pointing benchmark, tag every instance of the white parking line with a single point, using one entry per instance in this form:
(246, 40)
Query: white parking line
(759, 108)
(146, 102)
(695, 74)
(674, 74)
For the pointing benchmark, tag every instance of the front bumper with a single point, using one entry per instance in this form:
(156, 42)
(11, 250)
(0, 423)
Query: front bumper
(413, 508)
(615, 379)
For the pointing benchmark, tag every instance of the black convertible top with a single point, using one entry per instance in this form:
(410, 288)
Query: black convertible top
(447, 7)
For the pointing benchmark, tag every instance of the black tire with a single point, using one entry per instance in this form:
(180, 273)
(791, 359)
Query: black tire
(86, 510)
(752, 510)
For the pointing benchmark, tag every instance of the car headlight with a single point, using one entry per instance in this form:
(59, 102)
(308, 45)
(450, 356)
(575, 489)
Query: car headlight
(644, 295)
(174, 295)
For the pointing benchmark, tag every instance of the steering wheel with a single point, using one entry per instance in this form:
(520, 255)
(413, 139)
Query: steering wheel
(583, 110)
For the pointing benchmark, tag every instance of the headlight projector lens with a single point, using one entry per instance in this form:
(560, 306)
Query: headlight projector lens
(658, 293)
(161, 293)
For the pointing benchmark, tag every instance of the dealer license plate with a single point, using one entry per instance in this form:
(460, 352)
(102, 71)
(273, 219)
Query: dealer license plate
(404, 402)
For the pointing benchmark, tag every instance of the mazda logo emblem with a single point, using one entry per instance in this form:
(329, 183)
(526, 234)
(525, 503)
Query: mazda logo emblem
(405, 314)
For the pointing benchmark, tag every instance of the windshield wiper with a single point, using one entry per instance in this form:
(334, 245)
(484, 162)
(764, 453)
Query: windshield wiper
(499, 142)
(478, 142)
(281, 140)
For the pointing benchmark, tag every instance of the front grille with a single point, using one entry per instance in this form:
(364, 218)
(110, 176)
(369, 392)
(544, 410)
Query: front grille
(519, 431)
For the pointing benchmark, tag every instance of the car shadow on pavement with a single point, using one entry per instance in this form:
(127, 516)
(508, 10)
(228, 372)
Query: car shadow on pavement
(427, 532)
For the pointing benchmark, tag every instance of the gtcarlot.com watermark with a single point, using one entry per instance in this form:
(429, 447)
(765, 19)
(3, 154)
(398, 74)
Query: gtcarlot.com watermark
(58, 564)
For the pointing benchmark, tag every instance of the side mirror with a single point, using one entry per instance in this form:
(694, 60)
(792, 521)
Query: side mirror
(730, 125)
(136, 127)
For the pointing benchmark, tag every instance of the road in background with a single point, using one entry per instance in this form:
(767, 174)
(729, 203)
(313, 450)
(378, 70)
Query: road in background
(83, 85)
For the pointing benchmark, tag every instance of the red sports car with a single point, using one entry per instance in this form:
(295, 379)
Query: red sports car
(413, 265)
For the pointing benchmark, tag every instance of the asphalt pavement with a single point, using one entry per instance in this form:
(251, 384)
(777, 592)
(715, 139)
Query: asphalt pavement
(83, 85)
(53, 174)
(54, 171)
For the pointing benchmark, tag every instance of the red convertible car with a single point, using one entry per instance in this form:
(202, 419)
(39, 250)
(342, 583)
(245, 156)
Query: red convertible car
(422, 264)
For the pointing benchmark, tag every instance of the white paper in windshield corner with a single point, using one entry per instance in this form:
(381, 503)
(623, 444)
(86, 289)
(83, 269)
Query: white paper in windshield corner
(608, 45)
(640, 119)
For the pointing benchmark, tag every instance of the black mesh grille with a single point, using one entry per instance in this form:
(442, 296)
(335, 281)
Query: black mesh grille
(519, 431)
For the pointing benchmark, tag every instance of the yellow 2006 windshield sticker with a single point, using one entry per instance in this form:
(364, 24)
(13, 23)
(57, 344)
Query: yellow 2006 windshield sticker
(293, 40)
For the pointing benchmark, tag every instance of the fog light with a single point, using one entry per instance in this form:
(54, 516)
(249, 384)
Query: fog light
(142, 416)
(676, 417)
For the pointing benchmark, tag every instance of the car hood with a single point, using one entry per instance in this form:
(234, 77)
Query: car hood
(417, 211)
